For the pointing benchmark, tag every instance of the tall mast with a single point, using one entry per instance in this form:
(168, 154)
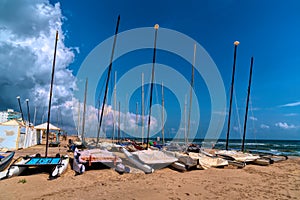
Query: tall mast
(19, 101)
(84, 110)
(50, 96)
(143, 108)
(115, 106)
(151, 86)
(34, 117)
(236, 43)
(191, 92)
(246, 114)
(107, 80)
(28, 112)
(78, 127)
(163, 113)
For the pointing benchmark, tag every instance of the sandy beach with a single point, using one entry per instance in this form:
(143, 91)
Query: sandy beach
(278, 181)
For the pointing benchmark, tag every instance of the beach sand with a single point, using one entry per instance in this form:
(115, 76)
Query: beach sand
(278, 181)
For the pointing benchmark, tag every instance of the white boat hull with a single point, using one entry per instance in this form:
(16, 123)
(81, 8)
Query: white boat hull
(145, 168)
(59, 169)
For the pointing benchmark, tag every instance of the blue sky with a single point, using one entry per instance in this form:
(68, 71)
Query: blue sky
(268, 30)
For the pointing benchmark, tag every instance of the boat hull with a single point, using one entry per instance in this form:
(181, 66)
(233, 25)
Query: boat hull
(59, 169)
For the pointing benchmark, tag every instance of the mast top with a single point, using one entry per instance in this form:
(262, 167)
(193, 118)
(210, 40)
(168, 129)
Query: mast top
(18, 97)
(236, 43)
(156, 26)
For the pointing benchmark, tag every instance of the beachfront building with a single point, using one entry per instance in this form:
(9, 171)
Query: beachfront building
(15, 135)
(8, 115)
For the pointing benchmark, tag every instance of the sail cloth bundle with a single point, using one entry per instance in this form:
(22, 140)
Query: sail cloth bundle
(77, 166)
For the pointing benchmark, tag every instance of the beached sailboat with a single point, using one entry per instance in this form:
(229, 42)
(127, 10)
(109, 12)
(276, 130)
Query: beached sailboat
(185, 162)
(206, 162)
(136, 162)
(233, 155)
(95, 155)
(154, 158)
(38, 161)
(147, 159)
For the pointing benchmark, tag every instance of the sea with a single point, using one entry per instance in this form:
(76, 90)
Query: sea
(275, 147)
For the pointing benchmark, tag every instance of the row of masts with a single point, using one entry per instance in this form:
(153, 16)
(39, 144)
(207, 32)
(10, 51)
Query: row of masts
(187, 132)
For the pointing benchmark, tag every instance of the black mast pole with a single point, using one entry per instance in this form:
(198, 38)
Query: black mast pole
(50, 97)
(84, 110)
(248, 96)
(18, 97)
(107, 80)
(28, 113)
(236, 43)
(151, 86)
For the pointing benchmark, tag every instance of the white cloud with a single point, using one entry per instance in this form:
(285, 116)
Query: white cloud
(291, 104)
(284, 125)
(128, 122)
(264, 126)
(27, 36)
(253, 118)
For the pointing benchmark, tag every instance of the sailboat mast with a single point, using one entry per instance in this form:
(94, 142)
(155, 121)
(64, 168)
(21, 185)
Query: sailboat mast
(50, 96)
(107, 80)
(236, 43)
(248, 96)
(143, 108)
(163, 113)
(191, 92)
(115, 106)
(34, 116)
(78, 127)
(19, 101)
(151, 86)
(84, 111)
(28, 112)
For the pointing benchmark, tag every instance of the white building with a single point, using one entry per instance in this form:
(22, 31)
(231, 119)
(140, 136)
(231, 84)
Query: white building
(9, 115)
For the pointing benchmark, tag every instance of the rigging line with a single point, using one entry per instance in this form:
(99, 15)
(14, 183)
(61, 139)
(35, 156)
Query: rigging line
(237, 113)
(253, 125)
